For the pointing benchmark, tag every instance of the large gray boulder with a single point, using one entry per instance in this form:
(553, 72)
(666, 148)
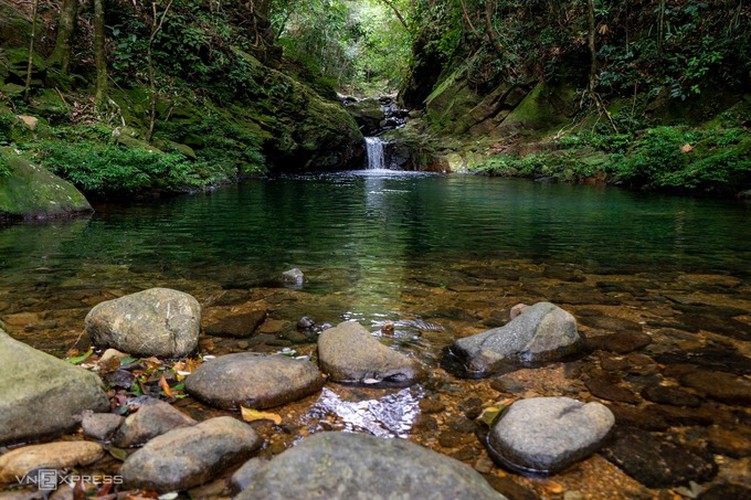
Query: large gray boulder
(190, 456)
(253, 380)
(348, 353)
(154, 322)
(547, 435)
(41, 395)
(541, 333)
(346, 465)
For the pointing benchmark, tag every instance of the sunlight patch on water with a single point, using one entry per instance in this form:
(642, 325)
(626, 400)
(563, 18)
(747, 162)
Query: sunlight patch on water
(389, 416)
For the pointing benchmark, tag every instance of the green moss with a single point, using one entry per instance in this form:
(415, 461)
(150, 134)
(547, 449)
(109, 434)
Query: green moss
(30, 191)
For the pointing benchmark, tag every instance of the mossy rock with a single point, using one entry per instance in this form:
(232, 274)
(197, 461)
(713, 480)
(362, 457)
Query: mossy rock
(543, 109)
(368, 115)
(15, 30)
(29, 191)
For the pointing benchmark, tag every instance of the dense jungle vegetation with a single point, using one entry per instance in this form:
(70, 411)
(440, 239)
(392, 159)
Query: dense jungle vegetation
(172, 95)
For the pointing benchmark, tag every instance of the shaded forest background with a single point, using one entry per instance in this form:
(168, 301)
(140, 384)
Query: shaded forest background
(172, 95)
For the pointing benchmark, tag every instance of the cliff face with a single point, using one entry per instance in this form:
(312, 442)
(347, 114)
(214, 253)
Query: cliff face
(550, 89)
(210, 99)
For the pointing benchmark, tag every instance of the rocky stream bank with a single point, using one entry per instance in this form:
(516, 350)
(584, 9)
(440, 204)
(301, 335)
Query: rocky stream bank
(607, 401)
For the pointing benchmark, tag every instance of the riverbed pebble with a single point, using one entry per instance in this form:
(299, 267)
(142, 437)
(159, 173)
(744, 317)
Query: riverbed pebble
(20, 461)
(153, 418)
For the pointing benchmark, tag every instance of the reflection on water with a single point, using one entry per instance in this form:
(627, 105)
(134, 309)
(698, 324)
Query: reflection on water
(388, 416)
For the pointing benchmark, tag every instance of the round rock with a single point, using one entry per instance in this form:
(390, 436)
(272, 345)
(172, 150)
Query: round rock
(347, 465)
(253, 380)
(539, 334)
(547, 435)
(349, 353)
(190, 456)
(19, 462)
(154, 322)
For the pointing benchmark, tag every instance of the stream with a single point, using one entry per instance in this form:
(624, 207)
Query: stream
(439, 257)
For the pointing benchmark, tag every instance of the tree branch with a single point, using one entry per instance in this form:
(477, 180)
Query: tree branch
(399, 15)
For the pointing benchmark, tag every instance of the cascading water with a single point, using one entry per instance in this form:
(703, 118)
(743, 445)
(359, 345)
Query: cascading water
(374, 150)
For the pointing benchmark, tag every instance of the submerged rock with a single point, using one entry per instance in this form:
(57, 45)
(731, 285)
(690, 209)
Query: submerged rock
(657, 463)
(154, 322)
(153, 418)
(720, 386)
(547, 435)
(253, 380)
(347, 465)
(189, 456)
(41, 395)
(541, 333)
(20, 461)
(237, 325)
(348, 353)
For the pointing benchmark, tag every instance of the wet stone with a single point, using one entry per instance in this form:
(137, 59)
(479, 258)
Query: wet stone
(726, 491)
(464, 454)
(429, 406)
(720, 386)
(153, 418)
(670, 396)
(547, 435)
(643, 418)
(452, 439)
(658, 463)
(609, 324)
(253, 380)
(348, 465)
(677, 416)
(611, 392)
(621, 343)
(348, 353)
(189, 456)
(154, 322)
(100, 426)
(237, 325)
(542, 333)
(734, 442)
(728, 327)
(712, 358)
(22, 460)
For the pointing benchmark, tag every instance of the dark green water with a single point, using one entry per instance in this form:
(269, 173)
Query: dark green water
(366, 230)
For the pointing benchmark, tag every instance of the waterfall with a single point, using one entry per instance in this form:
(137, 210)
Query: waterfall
(374, 150)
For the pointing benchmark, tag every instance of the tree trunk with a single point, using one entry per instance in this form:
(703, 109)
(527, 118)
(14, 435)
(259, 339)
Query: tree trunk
(399, 15)
(66, 25)
(100, 57)
(157, 22)
(489, 11)
(592, 46)
(30, 66)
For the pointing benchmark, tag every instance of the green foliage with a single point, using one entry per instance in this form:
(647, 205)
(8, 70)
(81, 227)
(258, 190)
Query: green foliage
(4, 166)
(101, 168)
(359, 45)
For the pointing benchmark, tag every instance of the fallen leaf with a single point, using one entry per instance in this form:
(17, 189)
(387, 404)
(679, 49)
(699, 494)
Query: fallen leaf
(165, 387)
(687, 148)
(250, 415)
(117, 453)
(77, 359)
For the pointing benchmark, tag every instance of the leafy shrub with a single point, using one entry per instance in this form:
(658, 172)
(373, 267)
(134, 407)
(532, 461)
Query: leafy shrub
(110, 169)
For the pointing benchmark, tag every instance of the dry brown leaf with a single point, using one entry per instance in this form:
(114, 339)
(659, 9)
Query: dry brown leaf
(687, 148)
(250, 415)
(165, 387)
